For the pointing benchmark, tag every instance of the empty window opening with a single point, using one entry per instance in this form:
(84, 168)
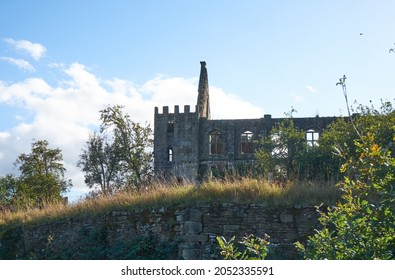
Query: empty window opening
(312, 137)
(246, 144)
(170, 126)
(280, 150)
(216, 143)
(170, 154)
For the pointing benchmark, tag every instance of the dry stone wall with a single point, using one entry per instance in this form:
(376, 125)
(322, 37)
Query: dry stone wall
(192, 232)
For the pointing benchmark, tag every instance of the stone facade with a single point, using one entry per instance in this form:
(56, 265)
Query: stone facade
(189, 144)
(191, 231)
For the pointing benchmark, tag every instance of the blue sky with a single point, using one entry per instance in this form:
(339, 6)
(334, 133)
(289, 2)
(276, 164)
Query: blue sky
(63, 61)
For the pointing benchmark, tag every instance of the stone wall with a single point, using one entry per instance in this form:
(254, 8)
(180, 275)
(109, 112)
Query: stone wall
(192, 231)
(231, 131)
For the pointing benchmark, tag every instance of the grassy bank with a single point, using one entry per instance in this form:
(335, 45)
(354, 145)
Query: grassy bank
(242, 191)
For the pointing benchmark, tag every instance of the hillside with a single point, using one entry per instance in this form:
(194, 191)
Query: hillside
(167, 222)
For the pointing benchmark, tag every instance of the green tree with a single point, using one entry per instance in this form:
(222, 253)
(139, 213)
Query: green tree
(334, 145)
(101, 163)
(362, 225)
(280, 152)
(338, 141)
(8, 187)
(134, 143)
(42, 175)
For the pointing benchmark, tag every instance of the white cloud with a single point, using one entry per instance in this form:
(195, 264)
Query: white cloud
(228, 106)
(24, 94)
(55, 65)
(4, 135)
(20, 63)
(65, 114)
(296, 97)
(35, 50)
(171, 91)
(180, 91)
(311, 89)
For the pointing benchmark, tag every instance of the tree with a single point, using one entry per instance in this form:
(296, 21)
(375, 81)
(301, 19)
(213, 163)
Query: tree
(339, 139)
(42, 175)
(361, 226)
(279, 152)
(101, 163)
(134, 142)
(8, 187)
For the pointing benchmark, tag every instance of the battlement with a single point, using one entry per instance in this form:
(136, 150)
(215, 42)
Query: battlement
(165, 110)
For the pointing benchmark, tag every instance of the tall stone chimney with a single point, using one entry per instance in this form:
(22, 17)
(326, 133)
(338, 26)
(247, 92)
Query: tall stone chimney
(203, 102)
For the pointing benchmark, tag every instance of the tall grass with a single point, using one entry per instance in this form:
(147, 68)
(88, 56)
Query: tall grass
(249, 190)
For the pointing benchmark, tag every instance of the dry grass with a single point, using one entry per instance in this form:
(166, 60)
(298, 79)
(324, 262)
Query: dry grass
(239, 191)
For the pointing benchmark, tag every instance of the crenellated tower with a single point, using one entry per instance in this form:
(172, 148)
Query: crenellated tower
(176, 136)
(176, 143)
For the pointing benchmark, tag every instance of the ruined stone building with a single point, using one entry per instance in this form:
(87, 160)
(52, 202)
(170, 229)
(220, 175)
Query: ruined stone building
(189, 144)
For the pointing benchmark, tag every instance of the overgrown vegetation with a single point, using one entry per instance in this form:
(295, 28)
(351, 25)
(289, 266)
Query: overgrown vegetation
(240, 191)
(362, 224)
(250, 248)
(93, 244)
(287, 153)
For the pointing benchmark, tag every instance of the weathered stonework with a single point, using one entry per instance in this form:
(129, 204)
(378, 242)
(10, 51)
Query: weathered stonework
(188, 145)
(192, 231)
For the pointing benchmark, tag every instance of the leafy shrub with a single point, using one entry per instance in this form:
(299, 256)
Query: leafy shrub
(254, 248)
(362, 225)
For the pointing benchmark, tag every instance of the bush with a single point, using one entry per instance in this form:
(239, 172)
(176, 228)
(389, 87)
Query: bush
(254, 248)
(362, 225)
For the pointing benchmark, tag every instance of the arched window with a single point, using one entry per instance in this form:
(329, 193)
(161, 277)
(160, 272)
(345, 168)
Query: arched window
(312, 137)
(170, 154)
(216, 143)
(246, 145)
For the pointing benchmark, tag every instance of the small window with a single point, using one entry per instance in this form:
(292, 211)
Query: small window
(312, 138)
(170, 126)
(170, 154)
(246, 146)
(216, 143)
